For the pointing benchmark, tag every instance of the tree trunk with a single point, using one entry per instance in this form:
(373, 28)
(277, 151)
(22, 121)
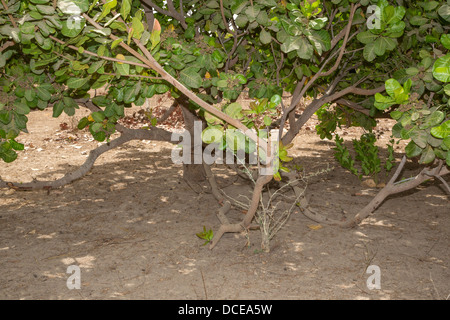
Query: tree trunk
(194, 172)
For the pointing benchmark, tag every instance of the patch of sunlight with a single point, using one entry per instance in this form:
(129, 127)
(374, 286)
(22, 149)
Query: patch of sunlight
(440, 196)
(134, 220)
(164, 198)
(47, 236)
(187, 270)
(86, 261)
(68, 261)
(175, 211)
(78, 243)
(291, 266)
(361, 298)
(54, 276)
(346, 286)
(433, 204)
(374, 222)
(151, 222)
(99, 200)
(359, 233)
(298, 246)
(5, 248)
(129, 177)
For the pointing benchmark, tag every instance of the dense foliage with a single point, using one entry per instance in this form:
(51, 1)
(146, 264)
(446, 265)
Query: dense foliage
(342, 53)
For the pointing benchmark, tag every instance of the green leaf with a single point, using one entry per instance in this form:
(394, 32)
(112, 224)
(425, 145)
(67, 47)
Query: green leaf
(128, 95)
(265, 37)
(428, 155)
(318, 23)
(138, 27)
(383, 44)
(83, 123)
(76, 83)
(43, 94)
(73, 7)
(73, 26)
(8, 156)
(442, 131)
(45, 9)
(58, 108)
(5, 116)
(234, 110)
(252, 12)
(16, 145)
(393, 87)
(125, 9)
(306, 50)
(122, 68)
(366, 37)
(444, 12)
(155, 38)
(412, 150)
(369, 52)
(432, 120)
(21, 108)
(419, 137)
(191, 78)
(98, 116)
(445, 40)
(441, 68)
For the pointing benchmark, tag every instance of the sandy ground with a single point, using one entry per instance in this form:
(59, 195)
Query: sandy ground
(130, 226)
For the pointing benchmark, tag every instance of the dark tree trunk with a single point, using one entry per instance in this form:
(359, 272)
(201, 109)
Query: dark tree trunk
(192, 173)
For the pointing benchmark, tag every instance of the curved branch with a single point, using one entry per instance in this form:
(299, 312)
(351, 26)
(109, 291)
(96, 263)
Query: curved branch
(237, 227)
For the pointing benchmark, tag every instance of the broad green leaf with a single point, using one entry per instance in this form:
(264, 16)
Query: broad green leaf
(128, 95)
(428, 155)
(58, 108)
(21, 108)
(393, 87)
(292, 43)
(234, 110)
(252, 12)
(442, 131)
(384, 43)
(16, 145)
(318, 23)
(107, 7)
(369, 52)
(125, 8)
(76, 83)
(138, 27)
(432, 120)
(73, 26)
(306, 50)
(8, 156)
(445, 40)
(212, 134)
(265, 37)
(43, 94)
(191, 78)
(366, 37)
(73, 7)
(419, 137)
(83, 123)
(98, 116)
(444, 12)
(441, 68)
(412, 150)
(45, 9)
(95, 66)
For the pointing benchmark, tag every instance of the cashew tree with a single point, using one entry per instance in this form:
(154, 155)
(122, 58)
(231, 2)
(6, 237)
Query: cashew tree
(356, 60)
